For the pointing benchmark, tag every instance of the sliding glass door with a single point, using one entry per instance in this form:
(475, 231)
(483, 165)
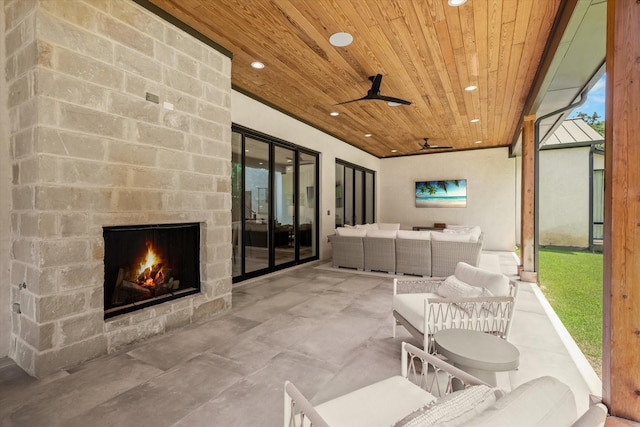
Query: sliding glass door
(274, 204)
(355, 190)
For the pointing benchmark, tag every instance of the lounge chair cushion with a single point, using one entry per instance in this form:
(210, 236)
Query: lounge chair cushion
(379, 404)
(496, 283)
(542, 402)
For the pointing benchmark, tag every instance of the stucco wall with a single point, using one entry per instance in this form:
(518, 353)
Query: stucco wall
(564, 197)
(491, 187)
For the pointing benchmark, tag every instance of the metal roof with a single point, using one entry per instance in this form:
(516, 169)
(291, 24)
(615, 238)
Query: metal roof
(574, 132)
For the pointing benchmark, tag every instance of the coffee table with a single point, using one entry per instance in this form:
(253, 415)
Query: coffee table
(477, 353)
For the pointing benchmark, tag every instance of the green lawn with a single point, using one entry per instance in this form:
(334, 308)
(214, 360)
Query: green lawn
(572, 282)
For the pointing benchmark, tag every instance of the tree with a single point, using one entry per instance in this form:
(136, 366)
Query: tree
(592, 120)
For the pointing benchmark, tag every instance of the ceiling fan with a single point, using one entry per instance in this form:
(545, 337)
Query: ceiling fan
(374, 94)
(427, 146)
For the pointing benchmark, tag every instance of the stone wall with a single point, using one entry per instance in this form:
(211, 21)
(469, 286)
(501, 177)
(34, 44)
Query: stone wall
(88, 150)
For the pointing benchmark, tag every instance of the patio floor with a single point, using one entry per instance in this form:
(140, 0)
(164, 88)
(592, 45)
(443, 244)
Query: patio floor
(327, 331)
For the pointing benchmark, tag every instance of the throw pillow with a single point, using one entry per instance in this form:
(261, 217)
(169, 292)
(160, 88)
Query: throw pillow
(452, 287)
(454, 409)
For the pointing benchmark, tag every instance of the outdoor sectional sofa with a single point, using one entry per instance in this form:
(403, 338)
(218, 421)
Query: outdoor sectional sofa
(383, 247)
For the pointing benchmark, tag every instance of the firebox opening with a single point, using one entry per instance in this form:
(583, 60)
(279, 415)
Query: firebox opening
(149, 264)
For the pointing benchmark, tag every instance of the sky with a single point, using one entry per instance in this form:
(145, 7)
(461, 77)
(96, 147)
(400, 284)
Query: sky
(595, 100)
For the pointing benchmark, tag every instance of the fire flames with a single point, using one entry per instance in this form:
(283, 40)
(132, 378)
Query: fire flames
(150, 271)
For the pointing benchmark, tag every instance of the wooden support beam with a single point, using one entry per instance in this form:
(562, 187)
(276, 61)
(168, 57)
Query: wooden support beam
(621, 323)
(527, 205)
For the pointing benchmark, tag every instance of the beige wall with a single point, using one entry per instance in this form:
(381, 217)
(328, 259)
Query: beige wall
(491, 187)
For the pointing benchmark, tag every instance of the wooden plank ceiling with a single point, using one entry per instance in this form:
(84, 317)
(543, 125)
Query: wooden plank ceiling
(427, 51)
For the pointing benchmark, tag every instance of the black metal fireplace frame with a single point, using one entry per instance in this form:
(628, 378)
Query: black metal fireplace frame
(180, 293)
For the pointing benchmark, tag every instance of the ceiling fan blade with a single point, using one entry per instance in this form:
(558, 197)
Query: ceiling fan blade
(396, 100)
(353, 100)
(375, 86)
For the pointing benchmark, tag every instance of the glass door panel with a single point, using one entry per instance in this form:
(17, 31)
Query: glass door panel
(307, 209)
(284, 206)
(359, 199)
(236, 204)
(369, 198)
(256, 196)
(348, 196)
(339, 195)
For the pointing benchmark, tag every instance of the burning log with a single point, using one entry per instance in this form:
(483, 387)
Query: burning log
(125, 290)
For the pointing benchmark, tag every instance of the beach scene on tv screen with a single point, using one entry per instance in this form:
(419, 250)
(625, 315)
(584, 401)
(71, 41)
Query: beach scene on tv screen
(441, 194)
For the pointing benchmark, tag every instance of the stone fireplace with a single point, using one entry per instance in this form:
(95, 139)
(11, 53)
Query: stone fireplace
(118, 120)
(146, 265)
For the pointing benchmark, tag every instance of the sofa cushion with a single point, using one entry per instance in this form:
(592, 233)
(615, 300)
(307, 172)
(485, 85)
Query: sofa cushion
(496, 283)
(452, 287)
(378, 404)
(411, 307)
(450, 237)
(414, 234)
(387, 234)
(351, 232)
(474, 232)
(542, 402)
(454, 409)
(388, 226)
(368, 226)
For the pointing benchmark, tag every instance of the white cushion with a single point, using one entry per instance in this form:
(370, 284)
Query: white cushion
(474, 232)
(379, 404)
(459, 226)
(414, 234)
(388, 226)
(450, 237)
(496, 283)
(452, 287)
(388, 234)
(367, 226)
(542, 402)
(352, 232)
(411, 307)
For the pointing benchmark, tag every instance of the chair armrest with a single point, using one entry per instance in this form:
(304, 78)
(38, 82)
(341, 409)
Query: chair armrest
(415, 286)
(432, 373)
(297, 408)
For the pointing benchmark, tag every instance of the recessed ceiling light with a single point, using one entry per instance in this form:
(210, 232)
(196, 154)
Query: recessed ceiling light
(394, 151)
(393, 104)
(257, 65)
(456, 3)
(470, 88)
(341, 39)
(367, 135)
(334, 113)
(475, 120)
(478, 142)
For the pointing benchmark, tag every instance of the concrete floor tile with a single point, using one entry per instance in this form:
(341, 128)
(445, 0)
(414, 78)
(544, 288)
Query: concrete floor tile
(56, 402)
(164, 399)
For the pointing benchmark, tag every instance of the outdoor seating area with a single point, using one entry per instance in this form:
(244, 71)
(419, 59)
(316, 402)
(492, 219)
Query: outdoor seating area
(431, 392)
(289, 326)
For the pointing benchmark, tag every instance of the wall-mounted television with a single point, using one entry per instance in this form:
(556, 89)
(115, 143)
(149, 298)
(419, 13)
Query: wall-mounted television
(451, 193)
